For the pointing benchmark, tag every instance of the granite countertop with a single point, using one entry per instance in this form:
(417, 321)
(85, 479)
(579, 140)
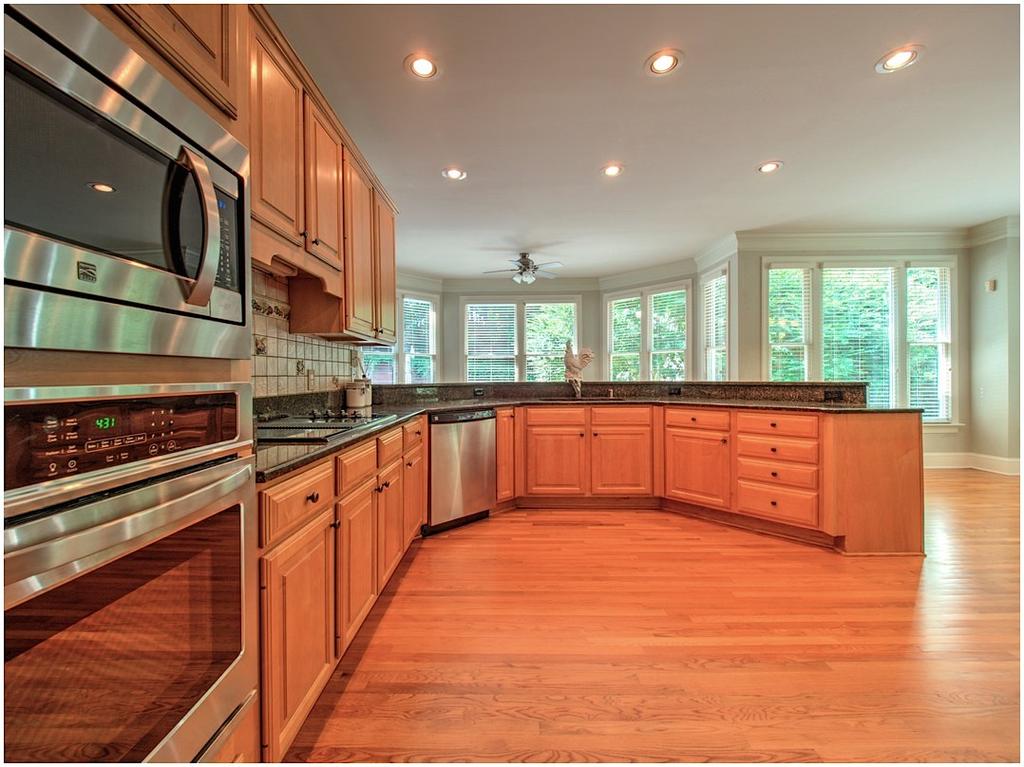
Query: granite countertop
(275, 460)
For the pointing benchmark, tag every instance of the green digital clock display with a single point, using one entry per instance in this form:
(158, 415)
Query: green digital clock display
(106, 422)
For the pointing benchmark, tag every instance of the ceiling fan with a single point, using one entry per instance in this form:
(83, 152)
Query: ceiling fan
(526, 271)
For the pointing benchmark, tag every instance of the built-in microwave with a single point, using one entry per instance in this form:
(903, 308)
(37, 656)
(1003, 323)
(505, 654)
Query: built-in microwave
(125, 206)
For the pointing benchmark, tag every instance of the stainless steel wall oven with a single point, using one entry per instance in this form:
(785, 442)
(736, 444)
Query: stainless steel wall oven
(126, 206)
(129, 571)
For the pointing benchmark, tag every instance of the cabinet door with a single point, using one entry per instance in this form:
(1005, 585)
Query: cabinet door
(387, 287)
(276, 139)
(297, 629)
(622, 460)
(200, 41)
(556, 460)
(357, 573)
(697, 466)
(323, 186)
(390, 524)
(360, 274)
(505, 428)
(414, 493)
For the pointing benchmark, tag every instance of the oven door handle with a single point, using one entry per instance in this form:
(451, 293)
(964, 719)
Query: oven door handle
(40, 567)
(202, 288)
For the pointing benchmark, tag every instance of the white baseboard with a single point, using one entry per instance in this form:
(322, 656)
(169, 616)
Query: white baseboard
(993, 463)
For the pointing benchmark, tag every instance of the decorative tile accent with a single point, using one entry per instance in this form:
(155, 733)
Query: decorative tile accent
(287, 363)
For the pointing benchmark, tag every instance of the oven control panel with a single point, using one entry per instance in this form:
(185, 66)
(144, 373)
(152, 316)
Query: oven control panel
(49, 440)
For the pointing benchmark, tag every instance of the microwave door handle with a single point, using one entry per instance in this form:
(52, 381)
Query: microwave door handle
(202, 288)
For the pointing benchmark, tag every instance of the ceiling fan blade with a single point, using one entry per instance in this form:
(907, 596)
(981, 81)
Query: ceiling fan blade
(551, 265)
(500, 271)
(546, 275)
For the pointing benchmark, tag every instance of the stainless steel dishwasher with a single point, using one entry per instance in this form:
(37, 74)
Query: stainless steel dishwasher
(463, 475)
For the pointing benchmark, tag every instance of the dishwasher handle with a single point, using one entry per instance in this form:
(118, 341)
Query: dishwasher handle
(461, 416)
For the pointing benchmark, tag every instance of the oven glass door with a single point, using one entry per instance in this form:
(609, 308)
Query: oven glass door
(73, 176)
(103, 667)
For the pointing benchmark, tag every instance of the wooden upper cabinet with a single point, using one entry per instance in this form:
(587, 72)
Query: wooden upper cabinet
(622, 460)
(323, 186)
(505, 427)
(360, 271)
(276, 138)
(697, 466)
(298, 629)
(387, 285)
(202, 42)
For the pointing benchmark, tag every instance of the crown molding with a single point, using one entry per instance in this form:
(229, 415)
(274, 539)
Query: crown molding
(651, 275)
(852, 242)
(717, 252)
(419, 283)
(991, 231)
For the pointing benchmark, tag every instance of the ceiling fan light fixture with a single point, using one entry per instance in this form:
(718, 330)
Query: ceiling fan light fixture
(529, 278)
(517, 278)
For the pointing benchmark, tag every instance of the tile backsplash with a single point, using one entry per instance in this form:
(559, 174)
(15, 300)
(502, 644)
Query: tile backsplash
(288, 363)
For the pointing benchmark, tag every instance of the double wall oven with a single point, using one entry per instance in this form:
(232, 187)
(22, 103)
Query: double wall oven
(130, 588)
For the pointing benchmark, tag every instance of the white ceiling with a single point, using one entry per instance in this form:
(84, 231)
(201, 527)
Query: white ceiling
(533, 100)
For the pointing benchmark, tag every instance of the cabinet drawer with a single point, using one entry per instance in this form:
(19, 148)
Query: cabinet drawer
(355, 465)
(783, 448)
(697, 418)
(620, 415)
(556, 416)
(776, 472)
(286, 506)
(389, 447)
(798, 507)
(412, 433)
(786, 424)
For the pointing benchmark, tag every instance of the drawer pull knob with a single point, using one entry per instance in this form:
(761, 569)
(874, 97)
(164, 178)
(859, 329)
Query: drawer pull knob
(336, 524)
(725, 441)
(418, 432)
(775, 473)
(409, 464)
(582, 434)
(313, 497)
(775, 503)
(775, 450)
(316, 240)
(773, 424)
(693, 418)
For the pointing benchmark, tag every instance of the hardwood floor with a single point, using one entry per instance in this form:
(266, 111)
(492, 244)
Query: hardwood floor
(646, 636)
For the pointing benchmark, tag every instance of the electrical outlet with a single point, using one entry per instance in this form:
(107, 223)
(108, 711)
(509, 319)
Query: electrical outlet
(675, 391)
(478, 392)
(833, 395)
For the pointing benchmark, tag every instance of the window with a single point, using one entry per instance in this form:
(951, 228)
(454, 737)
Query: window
(625, 323)
(789, 316)
(647, 334)
(715, 301)
(415, 354)
(519, 340)
(887, 325)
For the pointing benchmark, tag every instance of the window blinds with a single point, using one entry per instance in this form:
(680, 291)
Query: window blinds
(547, 327)
(668, 335)
(625, 323)
(928, 341)
(715, 300)
(789, 316)
(379, 362)
(419, 339)
(857, 334)
(491, 342)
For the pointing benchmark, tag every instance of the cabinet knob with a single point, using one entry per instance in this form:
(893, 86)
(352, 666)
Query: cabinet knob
(582, 434)
(418, 433)
(595, 433)
(775, 503)
(336, 524)
(773, 424)
(316, 240)
(387, 484)
(303, 234)
(774, 449)
(313, 497)
(775, 473)
(725, 440)
(693, 418)
(409, 464)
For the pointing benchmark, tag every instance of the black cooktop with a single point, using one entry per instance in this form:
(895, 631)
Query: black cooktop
(317, 427)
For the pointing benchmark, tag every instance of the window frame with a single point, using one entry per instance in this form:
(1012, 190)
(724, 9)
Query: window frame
(435, 301)
(520, 303)
(646, 325)
(899, 341)
(706, 278)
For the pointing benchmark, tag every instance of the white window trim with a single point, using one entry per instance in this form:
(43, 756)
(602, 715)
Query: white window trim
(705, 278)
(435, 301)
(520, 304)
(900, 263)
(644, 294)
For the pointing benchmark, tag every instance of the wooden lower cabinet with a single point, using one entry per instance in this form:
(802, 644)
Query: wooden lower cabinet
(414, 493)
(697, 466)
(505, 430)
(556, 460)
(390, 523)
(357, 566)
(243, 744)
(297, 589)
(621, 460)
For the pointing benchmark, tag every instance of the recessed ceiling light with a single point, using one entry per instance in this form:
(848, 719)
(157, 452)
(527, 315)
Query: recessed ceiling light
(662, 62)
(613, 169)
(897, 59)
(453, 174)
(420, 66)
(769, 167)
(99, 186)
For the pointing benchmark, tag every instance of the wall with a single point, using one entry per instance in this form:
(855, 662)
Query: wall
(995, 340)
(278, 354)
